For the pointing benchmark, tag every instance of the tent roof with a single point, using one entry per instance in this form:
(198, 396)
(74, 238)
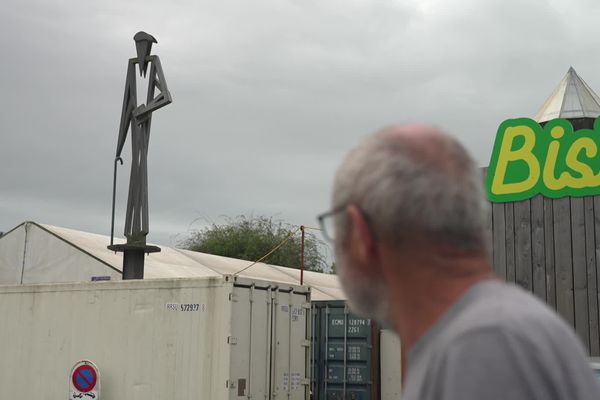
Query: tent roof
(572, 98)
(170, 262)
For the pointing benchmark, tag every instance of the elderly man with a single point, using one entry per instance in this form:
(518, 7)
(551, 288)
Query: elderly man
(411, 249)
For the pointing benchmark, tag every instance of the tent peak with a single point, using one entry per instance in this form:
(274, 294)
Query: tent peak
(571, 99)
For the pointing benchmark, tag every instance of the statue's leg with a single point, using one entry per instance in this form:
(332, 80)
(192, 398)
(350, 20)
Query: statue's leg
(132, 219)
(139, 210)
(136, 192)
(145, 136)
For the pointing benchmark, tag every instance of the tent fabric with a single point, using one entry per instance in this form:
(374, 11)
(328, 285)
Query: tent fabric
(39, 253)
(12, 250)
(572, 98)
(50, 259)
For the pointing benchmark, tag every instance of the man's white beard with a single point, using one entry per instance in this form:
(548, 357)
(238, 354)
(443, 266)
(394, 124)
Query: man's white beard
(367, 295)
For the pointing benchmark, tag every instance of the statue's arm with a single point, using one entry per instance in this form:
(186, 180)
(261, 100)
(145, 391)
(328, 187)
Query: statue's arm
(159, 82)
(129, 105)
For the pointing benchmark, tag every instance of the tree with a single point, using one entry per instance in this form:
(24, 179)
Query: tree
(251, 238)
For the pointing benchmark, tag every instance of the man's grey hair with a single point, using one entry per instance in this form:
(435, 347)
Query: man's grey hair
(435, 190)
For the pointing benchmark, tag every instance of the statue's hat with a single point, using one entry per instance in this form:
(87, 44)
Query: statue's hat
(143, 45)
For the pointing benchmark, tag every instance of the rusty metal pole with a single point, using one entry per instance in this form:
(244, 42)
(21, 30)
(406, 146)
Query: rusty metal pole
(302, 256)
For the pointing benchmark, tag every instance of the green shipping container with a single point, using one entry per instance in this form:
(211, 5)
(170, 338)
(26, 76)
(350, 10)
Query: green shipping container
(345, 359)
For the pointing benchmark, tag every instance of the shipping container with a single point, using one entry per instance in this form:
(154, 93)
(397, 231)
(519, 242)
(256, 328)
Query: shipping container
(391, 365)
(213, 338)
(346, 356)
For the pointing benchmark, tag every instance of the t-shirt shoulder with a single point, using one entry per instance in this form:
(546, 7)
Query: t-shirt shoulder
(507, 308)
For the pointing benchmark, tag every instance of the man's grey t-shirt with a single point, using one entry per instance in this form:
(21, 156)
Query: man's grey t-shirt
(499, 342)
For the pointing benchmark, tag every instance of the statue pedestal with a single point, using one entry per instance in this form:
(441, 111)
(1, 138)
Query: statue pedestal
(133, 258)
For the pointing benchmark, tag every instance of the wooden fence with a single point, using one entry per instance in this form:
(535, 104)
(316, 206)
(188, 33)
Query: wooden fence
(551, 247)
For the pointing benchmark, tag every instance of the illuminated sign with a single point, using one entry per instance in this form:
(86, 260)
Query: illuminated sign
(553, 160)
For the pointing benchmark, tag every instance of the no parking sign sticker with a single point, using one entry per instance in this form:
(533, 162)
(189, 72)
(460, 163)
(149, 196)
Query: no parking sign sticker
(84, 381)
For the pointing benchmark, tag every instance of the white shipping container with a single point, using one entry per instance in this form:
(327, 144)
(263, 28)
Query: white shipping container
(176, 339)
(391, 365)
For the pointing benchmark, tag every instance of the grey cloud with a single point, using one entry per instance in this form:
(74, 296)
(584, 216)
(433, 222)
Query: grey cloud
(268, 95)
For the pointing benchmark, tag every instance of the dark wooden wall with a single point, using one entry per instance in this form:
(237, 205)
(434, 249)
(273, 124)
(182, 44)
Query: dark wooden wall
(551, 247)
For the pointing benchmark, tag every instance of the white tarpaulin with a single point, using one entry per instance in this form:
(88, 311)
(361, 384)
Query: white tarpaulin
(37, 253)
(11, 255)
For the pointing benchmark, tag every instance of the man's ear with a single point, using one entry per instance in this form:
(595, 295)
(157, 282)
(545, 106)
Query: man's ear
(362, 240)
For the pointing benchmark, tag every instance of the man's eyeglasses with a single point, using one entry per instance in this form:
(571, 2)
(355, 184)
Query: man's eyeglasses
(327, 222)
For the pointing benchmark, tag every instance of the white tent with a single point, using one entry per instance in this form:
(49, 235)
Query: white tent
(38, 253)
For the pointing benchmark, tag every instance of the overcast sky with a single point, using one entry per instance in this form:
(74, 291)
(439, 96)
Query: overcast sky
(268, 95)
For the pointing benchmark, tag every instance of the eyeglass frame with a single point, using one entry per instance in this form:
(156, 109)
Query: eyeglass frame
(321, 218)
(336, 210)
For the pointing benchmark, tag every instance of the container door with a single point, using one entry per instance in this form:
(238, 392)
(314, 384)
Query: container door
(316, 364)
(250, 343)
(290, 346)
(347, 356)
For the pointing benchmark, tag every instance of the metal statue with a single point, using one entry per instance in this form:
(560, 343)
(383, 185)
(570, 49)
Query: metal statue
(139, 118)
